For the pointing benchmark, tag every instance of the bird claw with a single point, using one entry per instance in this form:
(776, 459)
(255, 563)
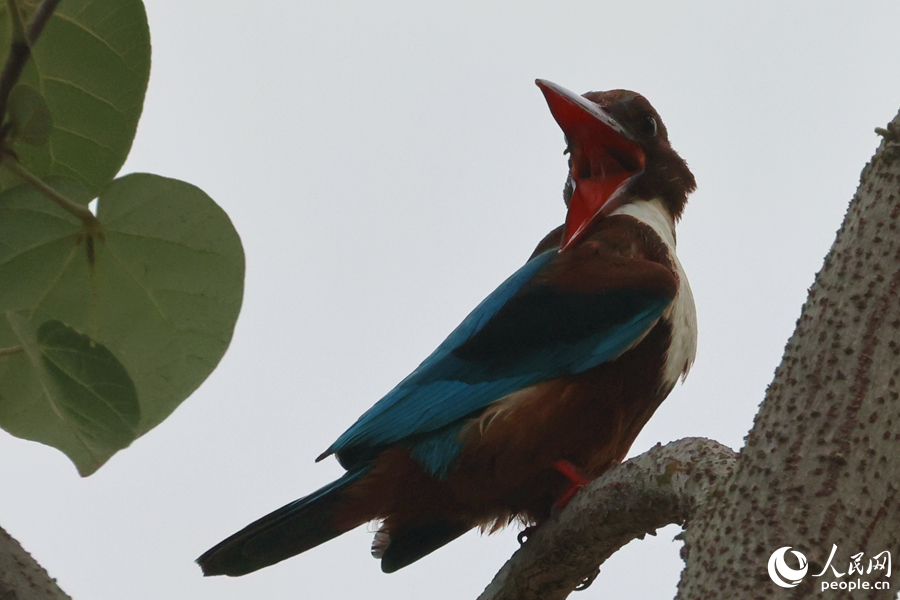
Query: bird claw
(526, 534)
(587, 581)
(575, 476)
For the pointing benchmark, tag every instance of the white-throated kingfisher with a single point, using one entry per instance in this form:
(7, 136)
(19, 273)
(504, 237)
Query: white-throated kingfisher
(544, 386)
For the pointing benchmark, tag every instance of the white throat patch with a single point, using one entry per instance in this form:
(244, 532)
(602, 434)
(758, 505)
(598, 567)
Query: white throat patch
(681, 313)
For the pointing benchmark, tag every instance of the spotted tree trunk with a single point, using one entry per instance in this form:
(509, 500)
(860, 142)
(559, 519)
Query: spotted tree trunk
(821, 466)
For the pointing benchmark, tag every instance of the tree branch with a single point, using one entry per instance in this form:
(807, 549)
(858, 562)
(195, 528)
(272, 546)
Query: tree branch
(659, 487)
(21, 577)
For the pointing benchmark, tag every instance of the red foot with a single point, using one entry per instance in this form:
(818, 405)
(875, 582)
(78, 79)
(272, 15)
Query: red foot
(574, 475)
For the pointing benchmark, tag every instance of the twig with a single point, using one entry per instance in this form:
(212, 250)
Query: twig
(20, 49)
(39, 18)
(19, 52)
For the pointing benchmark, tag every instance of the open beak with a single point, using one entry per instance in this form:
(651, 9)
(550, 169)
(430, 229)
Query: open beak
(603, 157)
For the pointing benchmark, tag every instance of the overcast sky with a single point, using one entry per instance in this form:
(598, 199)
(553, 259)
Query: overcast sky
(387, 164)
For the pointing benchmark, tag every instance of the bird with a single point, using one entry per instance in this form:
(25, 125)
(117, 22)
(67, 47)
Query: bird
(543, 386)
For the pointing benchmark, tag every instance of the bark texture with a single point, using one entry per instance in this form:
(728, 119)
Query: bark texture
(661, 486)
(21, 577)
(821, 465)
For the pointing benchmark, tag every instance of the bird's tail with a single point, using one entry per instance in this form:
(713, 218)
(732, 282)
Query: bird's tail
(290, 530)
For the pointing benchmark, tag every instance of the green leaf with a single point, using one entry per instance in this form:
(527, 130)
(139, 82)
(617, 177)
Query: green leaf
(91, 65)
(31, 120)
(162, 294)
(86, 390)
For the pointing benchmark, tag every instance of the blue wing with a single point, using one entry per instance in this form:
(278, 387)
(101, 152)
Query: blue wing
(526, 331)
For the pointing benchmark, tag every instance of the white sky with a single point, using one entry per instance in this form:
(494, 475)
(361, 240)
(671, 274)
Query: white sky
(387, 165)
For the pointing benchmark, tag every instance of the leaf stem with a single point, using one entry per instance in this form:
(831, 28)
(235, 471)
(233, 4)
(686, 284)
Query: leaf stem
(4, 352)
(79, 210)
(20, 49)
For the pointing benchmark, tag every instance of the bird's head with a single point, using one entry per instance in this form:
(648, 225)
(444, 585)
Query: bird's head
(619, 152)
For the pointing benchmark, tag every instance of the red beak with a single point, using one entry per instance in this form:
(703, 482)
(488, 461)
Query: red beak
(604, 158)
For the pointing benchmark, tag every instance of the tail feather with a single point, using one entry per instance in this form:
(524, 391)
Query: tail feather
(412, 543)
(290, 530)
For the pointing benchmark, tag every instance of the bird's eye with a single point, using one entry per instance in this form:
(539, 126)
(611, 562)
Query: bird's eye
(648, 126)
